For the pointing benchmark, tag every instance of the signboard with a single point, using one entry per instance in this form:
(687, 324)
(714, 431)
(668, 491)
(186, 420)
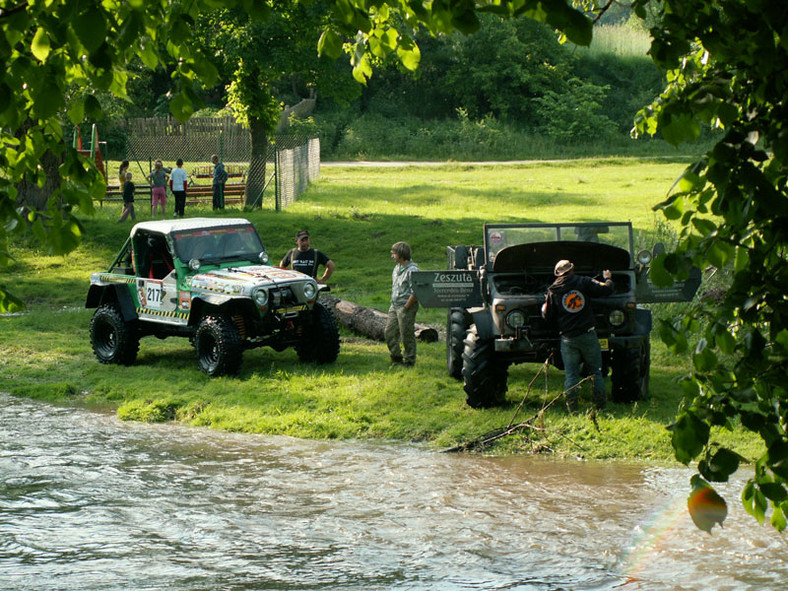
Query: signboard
(680, 291)
(447, 289)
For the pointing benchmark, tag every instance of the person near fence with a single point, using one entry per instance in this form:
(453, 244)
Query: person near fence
(124, 168)
(568, 302)
(219, 178)
(306, 259)
(401, 319)
(179, 181)
(128, 200)
(158, 180)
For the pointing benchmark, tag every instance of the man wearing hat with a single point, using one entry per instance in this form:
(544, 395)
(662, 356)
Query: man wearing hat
(306, 259)
(568, 302)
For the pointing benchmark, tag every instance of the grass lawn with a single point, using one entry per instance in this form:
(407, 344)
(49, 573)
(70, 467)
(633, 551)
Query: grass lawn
(355, 214)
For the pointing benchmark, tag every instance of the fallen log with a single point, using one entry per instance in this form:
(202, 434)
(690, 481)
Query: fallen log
(369, 322)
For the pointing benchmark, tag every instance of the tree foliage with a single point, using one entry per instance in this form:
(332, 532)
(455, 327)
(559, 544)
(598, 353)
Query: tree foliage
(727, 66)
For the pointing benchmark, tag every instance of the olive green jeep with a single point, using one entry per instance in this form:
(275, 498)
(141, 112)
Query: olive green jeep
(206, 279)
(494, 294)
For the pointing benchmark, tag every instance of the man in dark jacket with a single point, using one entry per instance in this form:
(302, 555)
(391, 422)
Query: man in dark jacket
(568, 302)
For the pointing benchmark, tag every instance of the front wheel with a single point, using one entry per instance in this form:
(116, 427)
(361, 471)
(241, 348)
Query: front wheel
(320, 343)
(483, 376)
(218, 346)
(113, 339)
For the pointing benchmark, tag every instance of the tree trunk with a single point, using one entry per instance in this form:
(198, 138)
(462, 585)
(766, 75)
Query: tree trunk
(369, 322)
(255, 180)
(30, 196)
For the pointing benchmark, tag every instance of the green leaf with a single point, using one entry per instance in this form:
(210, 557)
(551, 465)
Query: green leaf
(147, 53)
(9, 303)
(90, 28)
(181, 107)
(93, 108)
(40, 46)
(76, 113)
(658, 274)
(778, 519)
(689, 437)
(409, 56)
(722, 465)
(725, 341)
(329, 44)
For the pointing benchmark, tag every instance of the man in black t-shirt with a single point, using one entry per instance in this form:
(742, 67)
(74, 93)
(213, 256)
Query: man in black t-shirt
(568, 302)
(306, 259)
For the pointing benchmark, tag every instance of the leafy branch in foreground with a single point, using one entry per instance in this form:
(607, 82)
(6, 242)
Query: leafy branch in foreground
(732, 206)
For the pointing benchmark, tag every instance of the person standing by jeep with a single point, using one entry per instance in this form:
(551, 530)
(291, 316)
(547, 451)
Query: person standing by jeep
(568, 302)
(306, 259)
(401, 320)
(219, 178)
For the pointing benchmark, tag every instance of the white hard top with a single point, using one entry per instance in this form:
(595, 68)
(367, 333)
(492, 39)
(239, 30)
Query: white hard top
(168, 226)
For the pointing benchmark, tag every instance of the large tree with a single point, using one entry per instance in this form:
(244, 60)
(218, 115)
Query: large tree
(266, 60)
(727, 66)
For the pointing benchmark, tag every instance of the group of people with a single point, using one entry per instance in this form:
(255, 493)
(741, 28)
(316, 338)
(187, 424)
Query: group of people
(400, 331)
(178, 180)
(567, 302)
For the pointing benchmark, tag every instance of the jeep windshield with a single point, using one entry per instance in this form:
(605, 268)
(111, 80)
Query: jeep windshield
(218, 244)
(500, 236)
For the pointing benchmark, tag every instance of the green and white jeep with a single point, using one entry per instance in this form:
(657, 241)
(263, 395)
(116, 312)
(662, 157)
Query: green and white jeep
(207, 279)
(495, 292)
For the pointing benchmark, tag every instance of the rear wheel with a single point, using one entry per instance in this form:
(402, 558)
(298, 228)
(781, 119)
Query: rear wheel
(113, 339)
(321, 338)
(456, 326)
(630, 370)
(483, 376)
(218, 346)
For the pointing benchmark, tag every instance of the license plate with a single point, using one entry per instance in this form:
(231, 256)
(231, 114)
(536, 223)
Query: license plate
(603, 344)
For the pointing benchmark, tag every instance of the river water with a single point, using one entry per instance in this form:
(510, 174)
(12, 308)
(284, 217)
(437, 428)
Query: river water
(88, 502)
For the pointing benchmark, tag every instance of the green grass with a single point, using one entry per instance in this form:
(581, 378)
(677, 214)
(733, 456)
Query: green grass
(355, 214)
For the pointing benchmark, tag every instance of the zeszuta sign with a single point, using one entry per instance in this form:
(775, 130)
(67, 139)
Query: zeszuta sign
(447, 289)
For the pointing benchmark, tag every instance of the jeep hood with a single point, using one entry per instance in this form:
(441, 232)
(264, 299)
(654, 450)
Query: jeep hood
(233, 279)
(541, 257)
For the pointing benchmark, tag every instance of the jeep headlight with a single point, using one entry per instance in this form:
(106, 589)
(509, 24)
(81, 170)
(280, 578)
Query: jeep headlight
(263, 256)
(644, 257)
(260, 296)
(515, 319)
(617, 318)
(194, 264)
(310, 289)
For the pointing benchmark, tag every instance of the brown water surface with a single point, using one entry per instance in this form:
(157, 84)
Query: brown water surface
(90, 503)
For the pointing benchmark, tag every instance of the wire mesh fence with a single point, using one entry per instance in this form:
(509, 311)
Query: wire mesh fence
(291, 162)
(297, 165)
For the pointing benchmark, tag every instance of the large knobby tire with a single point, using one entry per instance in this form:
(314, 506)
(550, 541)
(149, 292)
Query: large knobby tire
(218, 346)
(113, 339)
(483, 376)
(630, 370)
(320, 343)
(456, 326)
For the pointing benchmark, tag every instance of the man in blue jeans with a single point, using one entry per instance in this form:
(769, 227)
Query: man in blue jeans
(568, 302)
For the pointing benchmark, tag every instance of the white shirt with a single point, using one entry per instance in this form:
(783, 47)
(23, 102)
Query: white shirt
(179, 179)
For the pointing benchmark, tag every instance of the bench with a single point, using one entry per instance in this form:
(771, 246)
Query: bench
(234, 171)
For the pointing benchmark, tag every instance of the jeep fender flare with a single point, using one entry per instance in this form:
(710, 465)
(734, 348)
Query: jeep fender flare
(482, 318)
(211, 303)
(105, 294)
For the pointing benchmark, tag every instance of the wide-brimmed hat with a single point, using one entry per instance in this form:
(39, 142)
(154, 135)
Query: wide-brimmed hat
(563, 267)
(302, 234)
